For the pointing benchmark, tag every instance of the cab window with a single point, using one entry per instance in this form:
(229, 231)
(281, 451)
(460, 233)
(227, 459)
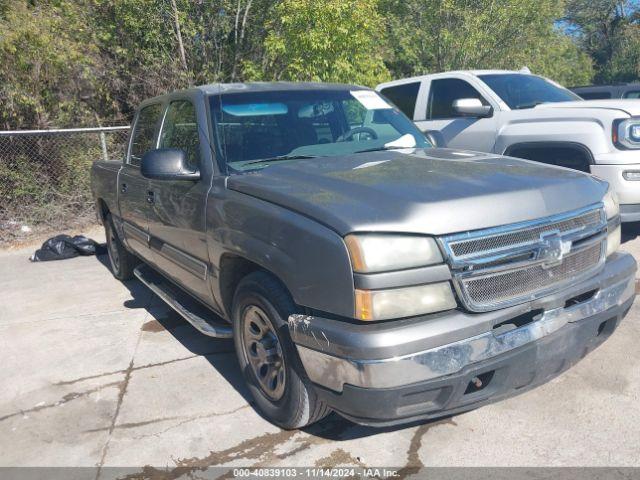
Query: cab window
(444, 92)
(595, 95)
(144, 132)
(180, 130)
(403, 96)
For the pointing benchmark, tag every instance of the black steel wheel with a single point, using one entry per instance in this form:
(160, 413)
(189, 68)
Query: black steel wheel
(267, 356)
(122, 262)
(263, 351)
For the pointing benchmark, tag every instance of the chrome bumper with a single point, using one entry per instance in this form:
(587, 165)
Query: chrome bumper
(333, 372)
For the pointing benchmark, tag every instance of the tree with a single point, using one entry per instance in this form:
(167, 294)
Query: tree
(329, 41)
(438, 35)
(47, 65)
(154, 46)
(609, 31)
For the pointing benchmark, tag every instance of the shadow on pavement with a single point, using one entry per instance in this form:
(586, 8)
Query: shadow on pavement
(217, 351)
(164, 318)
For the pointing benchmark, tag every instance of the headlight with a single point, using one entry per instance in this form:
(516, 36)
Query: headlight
(372, 252)
(626, 133)
(611, 207)
(404, 302)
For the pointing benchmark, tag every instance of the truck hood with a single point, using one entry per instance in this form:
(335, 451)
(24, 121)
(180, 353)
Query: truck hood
(426, 191)
(628, 106)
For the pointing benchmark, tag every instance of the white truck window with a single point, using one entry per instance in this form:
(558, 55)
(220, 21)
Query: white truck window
(444, 92)
(403, 96)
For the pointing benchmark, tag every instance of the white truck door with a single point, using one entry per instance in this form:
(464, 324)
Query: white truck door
(458, 130)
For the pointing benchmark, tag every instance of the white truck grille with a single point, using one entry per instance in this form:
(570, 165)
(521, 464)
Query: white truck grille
(504, 266)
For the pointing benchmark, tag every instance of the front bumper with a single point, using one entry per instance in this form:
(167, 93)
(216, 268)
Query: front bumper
(628, 192)
(388, 373)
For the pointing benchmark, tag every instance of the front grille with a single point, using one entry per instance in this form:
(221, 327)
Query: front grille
(500, 240)
(504, 266)
(497, 288)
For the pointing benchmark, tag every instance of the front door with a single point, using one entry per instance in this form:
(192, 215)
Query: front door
(177, 218)
(458, 131)
(133, 187)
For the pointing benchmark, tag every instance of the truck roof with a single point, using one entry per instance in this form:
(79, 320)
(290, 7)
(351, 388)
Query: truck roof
(217, 88)
(447, 73)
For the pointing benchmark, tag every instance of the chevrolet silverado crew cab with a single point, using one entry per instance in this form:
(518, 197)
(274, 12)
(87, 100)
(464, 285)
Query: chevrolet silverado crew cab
(357, 268)
(528, 116)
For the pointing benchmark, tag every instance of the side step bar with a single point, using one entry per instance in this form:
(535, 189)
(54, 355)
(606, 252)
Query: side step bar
(204, 320)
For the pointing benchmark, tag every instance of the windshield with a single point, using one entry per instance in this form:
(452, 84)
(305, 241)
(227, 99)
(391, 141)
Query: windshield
(255, 129)
(526, 91)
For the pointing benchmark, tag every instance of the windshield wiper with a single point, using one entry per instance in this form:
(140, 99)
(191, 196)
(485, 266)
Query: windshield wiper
(281, 157)
(381, 149)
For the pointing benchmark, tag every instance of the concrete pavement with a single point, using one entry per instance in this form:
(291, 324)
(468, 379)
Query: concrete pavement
(100, 373)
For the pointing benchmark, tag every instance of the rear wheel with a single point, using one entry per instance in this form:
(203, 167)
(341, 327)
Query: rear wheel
(122, 262)
(267, 356)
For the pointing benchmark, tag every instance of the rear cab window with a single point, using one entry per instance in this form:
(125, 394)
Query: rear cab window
(144, 133)
(403, 96)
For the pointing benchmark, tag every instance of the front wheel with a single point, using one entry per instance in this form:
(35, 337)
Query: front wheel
(122, 262)
(267, 356)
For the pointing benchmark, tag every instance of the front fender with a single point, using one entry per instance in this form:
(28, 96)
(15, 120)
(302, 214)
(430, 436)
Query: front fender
(591, 132)
(309, 258)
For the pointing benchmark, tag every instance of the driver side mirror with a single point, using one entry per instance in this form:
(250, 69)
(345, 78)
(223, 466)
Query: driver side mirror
(472, 107)
(167, 164)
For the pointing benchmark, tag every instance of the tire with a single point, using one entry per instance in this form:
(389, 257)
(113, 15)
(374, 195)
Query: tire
(122, 262)
(284, 395)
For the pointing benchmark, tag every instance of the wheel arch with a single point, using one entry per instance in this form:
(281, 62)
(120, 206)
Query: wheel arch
(233, 268)
(567, 154)
(102, 210)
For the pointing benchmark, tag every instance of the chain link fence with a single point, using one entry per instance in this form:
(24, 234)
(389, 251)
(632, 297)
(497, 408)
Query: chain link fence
(45, 177)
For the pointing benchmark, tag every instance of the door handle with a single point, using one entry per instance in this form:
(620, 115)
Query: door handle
(151, 197)
(123, 188)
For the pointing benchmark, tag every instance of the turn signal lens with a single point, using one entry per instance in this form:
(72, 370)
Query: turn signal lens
(403, 302)
(611, 207)
(614, 239)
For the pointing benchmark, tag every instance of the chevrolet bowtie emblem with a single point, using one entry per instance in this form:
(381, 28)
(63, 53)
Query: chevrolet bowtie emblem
(552, 248)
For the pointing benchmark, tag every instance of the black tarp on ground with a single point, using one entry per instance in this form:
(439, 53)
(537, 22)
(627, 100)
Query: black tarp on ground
(65, 246)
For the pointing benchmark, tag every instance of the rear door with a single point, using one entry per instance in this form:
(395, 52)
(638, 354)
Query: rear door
(177, 218)
(132, 186)
(458, 131)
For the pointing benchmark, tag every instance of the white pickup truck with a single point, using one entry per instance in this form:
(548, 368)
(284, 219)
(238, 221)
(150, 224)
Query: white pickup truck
(528, 116)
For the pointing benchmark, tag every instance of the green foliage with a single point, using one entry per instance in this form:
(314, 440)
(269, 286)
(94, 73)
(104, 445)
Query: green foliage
(82, 62)
(329, 41)
(609, 32)
(47, 64)
(439, 35)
